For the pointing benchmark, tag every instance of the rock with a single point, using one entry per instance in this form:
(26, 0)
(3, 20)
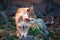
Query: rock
(29, 37)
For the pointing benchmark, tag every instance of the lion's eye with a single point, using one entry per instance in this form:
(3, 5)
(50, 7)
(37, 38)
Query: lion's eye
(27, 20)
(26, 26)
(19, 27)
(28, 9)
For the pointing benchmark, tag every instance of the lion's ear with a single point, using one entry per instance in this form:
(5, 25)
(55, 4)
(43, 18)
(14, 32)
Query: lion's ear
(31, 7)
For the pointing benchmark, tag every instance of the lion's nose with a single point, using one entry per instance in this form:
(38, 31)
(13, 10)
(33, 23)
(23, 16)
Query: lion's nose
(22, 35)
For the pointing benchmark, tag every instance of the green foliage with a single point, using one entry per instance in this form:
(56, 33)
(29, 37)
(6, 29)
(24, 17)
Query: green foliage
(11, 20)
(56, 36)
(2, 21)
(2, 31)
(34, 31)
(13, 37)
(12, 27)
(1, 18)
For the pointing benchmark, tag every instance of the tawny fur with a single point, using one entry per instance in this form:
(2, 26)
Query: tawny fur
(23, 17)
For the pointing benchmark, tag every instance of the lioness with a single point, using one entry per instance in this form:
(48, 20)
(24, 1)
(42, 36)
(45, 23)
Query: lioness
(22, 18)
